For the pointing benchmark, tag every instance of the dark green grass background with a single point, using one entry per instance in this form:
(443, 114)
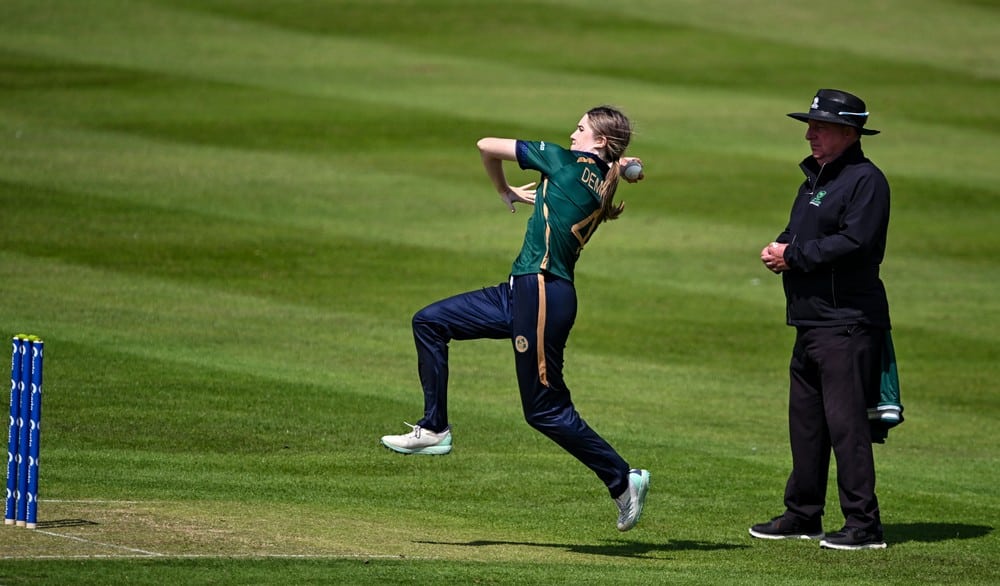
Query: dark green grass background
(222, 214)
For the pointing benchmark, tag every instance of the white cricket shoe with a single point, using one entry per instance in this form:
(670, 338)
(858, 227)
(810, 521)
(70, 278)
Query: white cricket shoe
(419, 441)
(631, 501)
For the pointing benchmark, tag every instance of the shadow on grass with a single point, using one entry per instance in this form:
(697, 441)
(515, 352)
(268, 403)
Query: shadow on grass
(634, 549)
(932, 532)
(59, 523)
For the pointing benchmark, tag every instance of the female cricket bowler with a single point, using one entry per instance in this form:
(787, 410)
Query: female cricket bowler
(535, 309)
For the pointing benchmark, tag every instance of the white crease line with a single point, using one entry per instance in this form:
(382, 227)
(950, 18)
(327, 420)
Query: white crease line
(75, 538)
(94, 502)
(242, 556)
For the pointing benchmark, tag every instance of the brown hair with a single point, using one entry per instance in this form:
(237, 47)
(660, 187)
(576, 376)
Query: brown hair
(615, 127)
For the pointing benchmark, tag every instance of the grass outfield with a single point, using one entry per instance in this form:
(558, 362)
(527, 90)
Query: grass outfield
(221, 215)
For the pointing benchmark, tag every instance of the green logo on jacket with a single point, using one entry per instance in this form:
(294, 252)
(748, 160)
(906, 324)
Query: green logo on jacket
(817, 199)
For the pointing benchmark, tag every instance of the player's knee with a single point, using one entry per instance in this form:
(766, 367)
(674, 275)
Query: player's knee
(424, 318)
(540, 421)
(427, 325)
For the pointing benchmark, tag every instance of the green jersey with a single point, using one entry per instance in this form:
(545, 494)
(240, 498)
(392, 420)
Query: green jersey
(567, 207)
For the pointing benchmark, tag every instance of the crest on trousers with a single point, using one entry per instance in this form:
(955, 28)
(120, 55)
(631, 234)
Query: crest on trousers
(521, 344)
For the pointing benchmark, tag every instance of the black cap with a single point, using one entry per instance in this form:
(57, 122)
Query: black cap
(837, 107)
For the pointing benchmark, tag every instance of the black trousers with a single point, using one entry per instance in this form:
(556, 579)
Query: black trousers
(835, 373)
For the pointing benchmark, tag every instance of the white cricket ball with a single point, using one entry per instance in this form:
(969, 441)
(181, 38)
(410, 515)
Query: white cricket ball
(632, 170)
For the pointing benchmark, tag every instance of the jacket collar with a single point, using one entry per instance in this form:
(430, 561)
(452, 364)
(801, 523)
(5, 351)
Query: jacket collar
(852, 155)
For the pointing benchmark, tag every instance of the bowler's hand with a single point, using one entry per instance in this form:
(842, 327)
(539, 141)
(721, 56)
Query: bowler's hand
(773, 257)
(621, 167)
(522, 194)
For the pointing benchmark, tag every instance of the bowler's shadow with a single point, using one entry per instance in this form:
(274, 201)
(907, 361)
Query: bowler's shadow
(630, 549)
(933, 532)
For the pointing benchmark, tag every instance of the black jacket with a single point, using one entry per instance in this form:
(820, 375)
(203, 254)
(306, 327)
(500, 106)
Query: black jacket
(836, 241)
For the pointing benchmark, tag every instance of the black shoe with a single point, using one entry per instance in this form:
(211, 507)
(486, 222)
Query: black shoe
(853, 538)
(785, 528)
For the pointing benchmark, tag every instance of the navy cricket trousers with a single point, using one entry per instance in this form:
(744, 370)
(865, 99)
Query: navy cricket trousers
(536, 313)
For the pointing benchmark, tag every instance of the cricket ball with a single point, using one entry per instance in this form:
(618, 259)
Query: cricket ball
(632, 170)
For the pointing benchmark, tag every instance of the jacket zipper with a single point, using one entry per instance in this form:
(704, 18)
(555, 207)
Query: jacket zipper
(812, 190)
(833, 272)
(833, 288)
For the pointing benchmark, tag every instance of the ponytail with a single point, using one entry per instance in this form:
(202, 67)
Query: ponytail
(610, 211)
(616, 129)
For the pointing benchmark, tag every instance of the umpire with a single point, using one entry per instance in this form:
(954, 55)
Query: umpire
(829, 257)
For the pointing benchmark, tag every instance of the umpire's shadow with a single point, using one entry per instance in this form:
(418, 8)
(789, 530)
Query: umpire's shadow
(933, 532)
(625, 549)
